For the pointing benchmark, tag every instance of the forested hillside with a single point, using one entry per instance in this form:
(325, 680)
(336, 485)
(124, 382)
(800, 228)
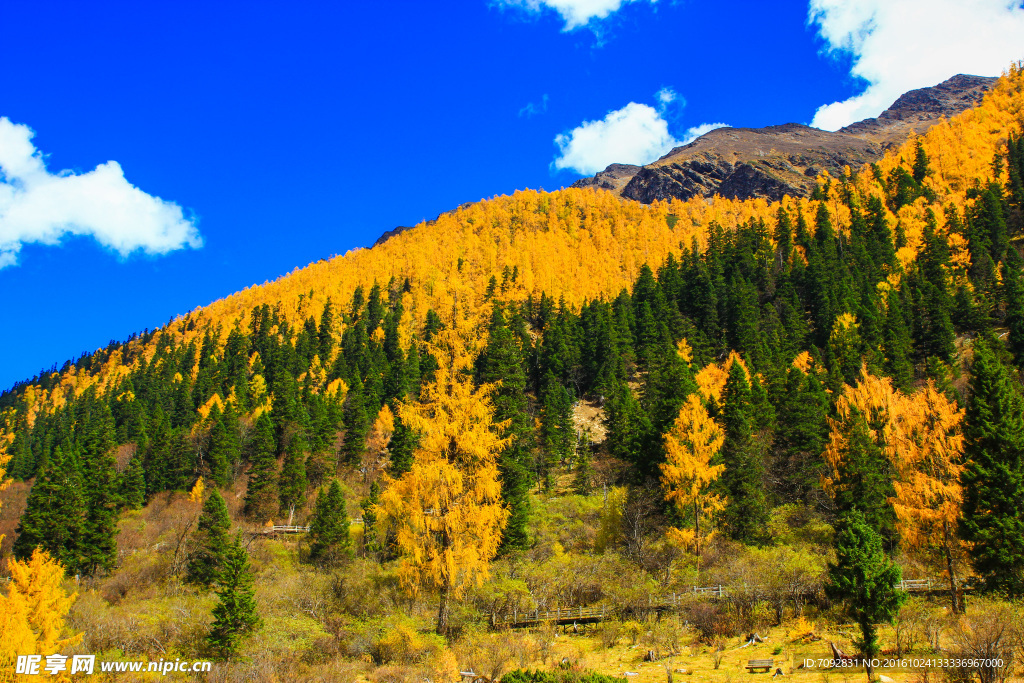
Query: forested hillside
(704, 385)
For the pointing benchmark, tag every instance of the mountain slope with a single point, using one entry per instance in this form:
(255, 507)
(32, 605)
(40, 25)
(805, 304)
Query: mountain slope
(575, 243)
(784, 160)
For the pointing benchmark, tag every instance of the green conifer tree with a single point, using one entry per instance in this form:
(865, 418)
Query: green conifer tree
(328, 529)
(292, 482)
(502, 362)
(801, 435)
(325, 335)
(629, 431)
(1014, 285)
(261, 500)
(372, 544)
(100, 484)
(401, 447)
(211, 540)
(993, 477)
(235, 615)
(54, 514)
(896, 344)
(746, 513)
(865, 580)
(582, 481)
(357, 423)
(223, 450)
(558, 436)
(133, 484)
(864, 480)
(921, 169)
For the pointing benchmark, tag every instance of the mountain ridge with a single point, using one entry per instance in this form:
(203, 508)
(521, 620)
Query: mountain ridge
(773, 161)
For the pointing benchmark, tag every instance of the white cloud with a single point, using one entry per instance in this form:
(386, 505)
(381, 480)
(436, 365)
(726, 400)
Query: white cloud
(666, 96)
(575, 13)
(39, 206)
(635, 134)
(695, 132)
(533, 109)
(900, 45)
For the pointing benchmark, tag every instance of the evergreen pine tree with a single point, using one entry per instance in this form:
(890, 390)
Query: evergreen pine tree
(99, 532)
(328, 529)
(325, 335)
(292, 482)
(993, 477)
(896, 344)
(133, 484)
(582, 481)
(629, 431)
(54, 514)
(558, 436)
(865, 580)
(371, 534)
(222, 452)
(357, 423)
(502, 362)
(864, 480)
(1014, 284)
(666, 385)
(801, 435)
(212, 541)
(746, 513)
(261, 501)
(402, 447)
(235, 614)
(921, 169)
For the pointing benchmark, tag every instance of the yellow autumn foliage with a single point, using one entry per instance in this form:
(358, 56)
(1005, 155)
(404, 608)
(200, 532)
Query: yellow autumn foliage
(32, 611)
(446, 512)
(687, 475)
(381, 431)
(921, 437)
(580, 243)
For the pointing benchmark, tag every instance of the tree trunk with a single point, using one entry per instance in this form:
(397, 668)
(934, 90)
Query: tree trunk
(696, 535)
(954, 598)
(869, 649)
(442, 610)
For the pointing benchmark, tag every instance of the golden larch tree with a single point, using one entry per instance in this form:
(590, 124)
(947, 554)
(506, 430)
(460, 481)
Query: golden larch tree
(33, 610)
(446, 512)
(873, 399)
(926, 450)
(687, 475)
(920, 436)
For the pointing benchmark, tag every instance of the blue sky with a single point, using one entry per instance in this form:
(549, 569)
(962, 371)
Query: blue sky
(158, 156)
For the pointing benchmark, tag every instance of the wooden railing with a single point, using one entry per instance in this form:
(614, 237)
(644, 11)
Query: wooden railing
(670, 601)
(557, 615)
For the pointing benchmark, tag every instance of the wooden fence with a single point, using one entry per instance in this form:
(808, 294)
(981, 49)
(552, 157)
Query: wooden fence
(669, 602)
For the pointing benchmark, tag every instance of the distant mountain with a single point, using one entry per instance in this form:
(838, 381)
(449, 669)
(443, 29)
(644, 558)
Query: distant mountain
(771, 162)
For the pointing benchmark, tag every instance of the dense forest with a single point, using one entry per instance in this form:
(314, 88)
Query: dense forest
(540, 398)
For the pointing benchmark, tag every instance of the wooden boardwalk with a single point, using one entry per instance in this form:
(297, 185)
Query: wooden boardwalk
(281, 529)
(290, 528)
(565, 615)
(670, 602)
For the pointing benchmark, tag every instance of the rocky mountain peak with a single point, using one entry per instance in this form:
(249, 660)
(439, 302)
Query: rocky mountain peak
(774, 161)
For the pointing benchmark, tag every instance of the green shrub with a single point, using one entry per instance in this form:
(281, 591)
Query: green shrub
(403, 644)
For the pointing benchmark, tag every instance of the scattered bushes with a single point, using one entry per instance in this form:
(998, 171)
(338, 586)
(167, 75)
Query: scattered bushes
(989, 634)
(490, 654)
(710, 620)
(403, 644)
